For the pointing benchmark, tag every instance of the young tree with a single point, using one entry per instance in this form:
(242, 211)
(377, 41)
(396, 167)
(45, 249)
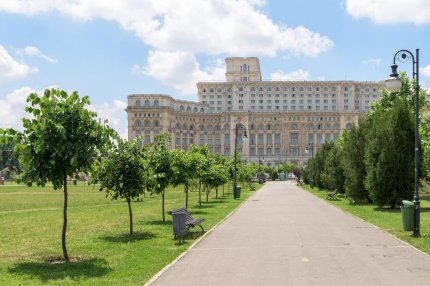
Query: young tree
(62, 138)
(246, 173)
(161, 163)
(185, 167)
(124, 174)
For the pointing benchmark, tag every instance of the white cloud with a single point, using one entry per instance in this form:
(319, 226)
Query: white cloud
(10, 69)
(114, 113)
(12, 108)
(32, 51)
(212, 26)
(111, 112)
(390, 11)
(425, 71)
(373, 63)
(180, 30)
(180, 70)
(299, 74)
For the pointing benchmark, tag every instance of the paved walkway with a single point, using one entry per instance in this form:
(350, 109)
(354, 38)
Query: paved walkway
(285, 236)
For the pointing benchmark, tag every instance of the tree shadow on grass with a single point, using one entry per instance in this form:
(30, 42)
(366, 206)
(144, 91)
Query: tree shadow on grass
(158, 222)
(198, 212)
(125, 237)
(75, 270)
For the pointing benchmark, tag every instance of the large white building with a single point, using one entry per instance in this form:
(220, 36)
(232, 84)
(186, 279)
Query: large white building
(284, 120)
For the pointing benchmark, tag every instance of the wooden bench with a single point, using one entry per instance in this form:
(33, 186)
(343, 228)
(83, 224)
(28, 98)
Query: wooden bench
(190, 222)
(332, 195)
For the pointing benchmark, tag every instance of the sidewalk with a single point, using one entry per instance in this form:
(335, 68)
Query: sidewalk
(285, 236)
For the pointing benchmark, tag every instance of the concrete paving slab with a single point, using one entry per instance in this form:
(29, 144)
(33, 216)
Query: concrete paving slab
(285, 236)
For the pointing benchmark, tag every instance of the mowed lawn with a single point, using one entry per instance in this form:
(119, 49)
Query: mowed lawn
(390, 220)
(98, 243)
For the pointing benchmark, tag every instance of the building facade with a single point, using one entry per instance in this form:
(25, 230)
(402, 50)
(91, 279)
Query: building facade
(285, 121)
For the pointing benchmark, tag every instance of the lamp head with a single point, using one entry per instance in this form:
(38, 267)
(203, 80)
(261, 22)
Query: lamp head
(393, 83)
(245, 136)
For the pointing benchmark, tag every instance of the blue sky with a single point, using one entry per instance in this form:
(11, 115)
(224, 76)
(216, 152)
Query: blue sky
(109, 49)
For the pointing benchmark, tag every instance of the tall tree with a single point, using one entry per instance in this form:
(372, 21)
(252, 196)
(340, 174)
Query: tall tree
(124, 174)
(390, 154)
(62, 138)
(353, 164)
(332, 175)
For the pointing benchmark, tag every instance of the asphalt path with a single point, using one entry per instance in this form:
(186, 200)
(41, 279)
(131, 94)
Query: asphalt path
(285, 236)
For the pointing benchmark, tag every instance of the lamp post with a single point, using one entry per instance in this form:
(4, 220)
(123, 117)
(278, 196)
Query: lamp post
(311, 147)
(394, 84)
(238, 126)
(259, 168)
(286, 162)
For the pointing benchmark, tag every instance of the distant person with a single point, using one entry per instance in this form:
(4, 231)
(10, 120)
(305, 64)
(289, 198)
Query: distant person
(2, 180)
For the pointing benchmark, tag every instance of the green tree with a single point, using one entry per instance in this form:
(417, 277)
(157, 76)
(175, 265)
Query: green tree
(247, 173)
(124, 174)
(389, 154)
(62, 138)
(317, 165)
(161, 164)
(186, 166)
(332, 176)
(8, 162)
(353, 164)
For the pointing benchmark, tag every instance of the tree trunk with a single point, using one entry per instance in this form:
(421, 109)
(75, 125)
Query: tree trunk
(63, 234)
(228, 186)
(207, 194)
(223, 190)
(186, 196)
(216, 192)
(162, 205)
(131, 215)
(200, 194)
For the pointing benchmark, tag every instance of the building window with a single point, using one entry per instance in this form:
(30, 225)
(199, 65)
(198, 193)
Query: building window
(277, 151)
(277, 139)
(327, 138)
(138, 103)
(269, 139)
(260, 151)
(294, 151)
(294, 138)
(319, 139)
(252, 151)
(227, 139)
(310, 138)
(260, 139)
(252, 139)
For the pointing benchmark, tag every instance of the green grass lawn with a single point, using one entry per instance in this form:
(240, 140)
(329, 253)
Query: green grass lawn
(98, 243)
(390, 220)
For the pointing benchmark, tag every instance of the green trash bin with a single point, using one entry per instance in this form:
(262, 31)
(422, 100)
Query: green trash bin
(238, 190)
(408, 215)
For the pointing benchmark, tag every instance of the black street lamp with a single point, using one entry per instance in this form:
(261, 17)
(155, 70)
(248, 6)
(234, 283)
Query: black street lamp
(311, 148)
(286, 163)
(394, 84)
(259, 168)
(238, 126)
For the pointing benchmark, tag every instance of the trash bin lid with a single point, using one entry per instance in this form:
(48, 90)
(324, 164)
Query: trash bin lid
(407, 203)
